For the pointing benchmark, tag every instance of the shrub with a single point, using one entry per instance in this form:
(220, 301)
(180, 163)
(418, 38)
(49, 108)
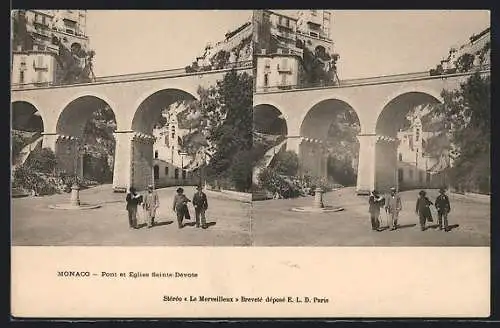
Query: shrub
(42, 160)
(287, 163)
(27, 179)
(270, 180)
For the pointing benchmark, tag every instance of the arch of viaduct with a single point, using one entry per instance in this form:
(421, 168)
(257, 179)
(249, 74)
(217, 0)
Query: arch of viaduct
(136, 102)
(380, 107)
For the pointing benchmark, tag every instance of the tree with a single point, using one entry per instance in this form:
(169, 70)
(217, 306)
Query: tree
(222, 127)
(465, 63)
(343, 147)
(240, 171)
(467, 113)
(98, 140)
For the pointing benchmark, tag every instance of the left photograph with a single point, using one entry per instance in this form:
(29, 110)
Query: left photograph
(131, 128)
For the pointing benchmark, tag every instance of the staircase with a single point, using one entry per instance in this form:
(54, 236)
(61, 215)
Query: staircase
(266, 160)
(26, 151)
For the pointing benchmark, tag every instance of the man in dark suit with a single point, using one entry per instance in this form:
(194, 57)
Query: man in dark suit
(200, 204)
(443, 207)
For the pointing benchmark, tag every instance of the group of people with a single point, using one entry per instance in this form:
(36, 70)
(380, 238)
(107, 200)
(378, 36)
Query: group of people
(393, 206)
(150, 203)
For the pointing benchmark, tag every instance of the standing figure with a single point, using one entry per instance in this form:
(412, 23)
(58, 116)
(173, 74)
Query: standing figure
(180, 207)
(443, 207)
(133, 199)
(393, 206)
(200, 204)
(150, 205)
(423, 210)
(376, 202)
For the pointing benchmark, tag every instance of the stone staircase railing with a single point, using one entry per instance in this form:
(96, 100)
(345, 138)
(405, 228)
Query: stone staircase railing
(266, 160)
(26, 151)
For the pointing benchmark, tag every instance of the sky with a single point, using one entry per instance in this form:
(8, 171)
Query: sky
(370, 43)
(134, 41)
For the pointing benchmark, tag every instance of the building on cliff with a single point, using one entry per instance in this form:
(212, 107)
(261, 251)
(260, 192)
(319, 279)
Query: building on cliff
(289, 44)
(50, 47)
(474, 53)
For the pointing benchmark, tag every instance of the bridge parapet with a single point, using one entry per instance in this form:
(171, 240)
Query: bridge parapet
(397, 78)
(177, 72)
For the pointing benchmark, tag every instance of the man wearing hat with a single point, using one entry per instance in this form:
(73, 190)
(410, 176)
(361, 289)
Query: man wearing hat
(200, 204)
(375, 202)
(180, 206)
(133, 199)
(150, 205)
(423, 210)
(393, 206)
(443, 207)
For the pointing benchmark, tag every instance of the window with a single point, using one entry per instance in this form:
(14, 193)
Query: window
(400, 175)
(173, 135)
(166, 140)
(428, 177)
(267, 63)
(266, 80)
(156, 153)
(400, 157)
(284, 64)
(156, 172)
(176, 174)
(417, 135)
(184, 174)
(21, 77)
(166, 171)
(39, 61)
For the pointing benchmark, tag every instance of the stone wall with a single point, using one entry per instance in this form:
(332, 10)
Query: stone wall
(142, 163)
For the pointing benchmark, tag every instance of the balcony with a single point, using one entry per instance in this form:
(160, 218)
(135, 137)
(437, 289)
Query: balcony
(285, 35)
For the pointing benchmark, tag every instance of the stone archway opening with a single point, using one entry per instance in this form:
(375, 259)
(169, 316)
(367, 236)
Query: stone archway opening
(269, 120)
(26, 117)
(329, 147)
(270, 131)
(85, 145)
(409, 146)
(161, 124)
(26, 130)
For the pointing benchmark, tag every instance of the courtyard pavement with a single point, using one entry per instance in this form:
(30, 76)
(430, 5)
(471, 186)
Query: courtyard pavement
(35, 224)
(237, 223)
(274, 224)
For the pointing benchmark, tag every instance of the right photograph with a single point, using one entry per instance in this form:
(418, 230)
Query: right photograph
(371, 128)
